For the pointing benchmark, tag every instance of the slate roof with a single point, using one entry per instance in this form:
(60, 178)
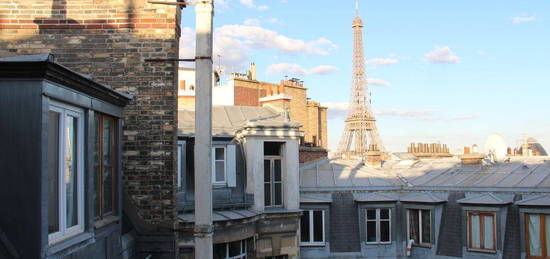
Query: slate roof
(226, 120)
(486, 199)
(422, 197)
(535, 200)
(221, 215)
(316, 198)
(447, 173)
(376, 197)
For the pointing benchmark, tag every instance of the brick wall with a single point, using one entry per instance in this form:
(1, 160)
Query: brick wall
(110, 39)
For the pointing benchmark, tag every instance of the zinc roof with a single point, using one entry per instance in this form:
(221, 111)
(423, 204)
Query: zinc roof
(520, 172)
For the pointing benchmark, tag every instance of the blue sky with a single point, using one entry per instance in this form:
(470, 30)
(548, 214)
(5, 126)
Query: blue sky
(448, 71)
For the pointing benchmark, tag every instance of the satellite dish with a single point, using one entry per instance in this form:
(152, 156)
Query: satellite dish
(495, 147)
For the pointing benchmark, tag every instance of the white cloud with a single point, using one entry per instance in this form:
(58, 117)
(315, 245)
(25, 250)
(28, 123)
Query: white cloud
(252, 22)
(187, 43)
(381, 61)
(442, 55)
(523, 18)
(297, 70)
(379, 82)
(251, 4)
(236, 42)
(338, 110)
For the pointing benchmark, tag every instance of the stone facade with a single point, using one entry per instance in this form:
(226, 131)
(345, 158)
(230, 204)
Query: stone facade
(110, 39)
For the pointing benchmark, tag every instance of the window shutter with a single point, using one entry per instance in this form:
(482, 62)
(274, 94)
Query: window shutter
(231, 165)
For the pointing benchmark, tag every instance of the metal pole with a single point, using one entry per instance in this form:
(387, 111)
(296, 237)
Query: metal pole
(203, 131)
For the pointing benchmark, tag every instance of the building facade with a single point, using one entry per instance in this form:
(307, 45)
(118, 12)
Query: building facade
(435, 208)
(254, 180)
(246, 90)
(111, 41)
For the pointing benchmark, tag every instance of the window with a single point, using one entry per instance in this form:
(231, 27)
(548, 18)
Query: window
(273, 182)
(481, 231)
(218, 165)
(181, 162)
(537, 227)
(182, 85)
(105, 165)
(419, 226)
(65, 172)
(378, 226)
(312, 228)
(231, 250)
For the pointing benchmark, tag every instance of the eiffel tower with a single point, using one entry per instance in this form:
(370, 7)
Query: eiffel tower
(360, 137)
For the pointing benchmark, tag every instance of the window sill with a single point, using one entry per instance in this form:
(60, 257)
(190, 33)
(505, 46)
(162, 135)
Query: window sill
(69, 242)
(219, 185)
(313, 244)
(482, 250)
(106, 221)
(378, 243)
(423, 245)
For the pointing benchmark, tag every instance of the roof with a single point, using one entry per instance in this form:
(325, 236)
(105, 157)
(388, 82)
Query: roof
(43, 66)
(221, 215)
(226, 120)
(316, 198)
(535, 200)
(376, 197)
(422, 197)
(428, 174)
(487, 199)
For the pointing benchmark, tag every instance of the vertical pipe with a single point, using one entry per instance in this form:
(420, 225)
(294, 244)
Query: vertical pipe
(203, 131)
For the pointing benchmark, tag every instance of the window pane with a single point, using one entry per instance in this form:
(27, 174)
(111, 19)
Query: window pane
(71, 181)
(371, 214)
(278, 194)
(547, 233)
(97, 181)
(277, 170)
(318, 226)
(384, 231)
(371, 231)
(107, 166)
(384, 213)
(220, 171)
(426, 227)
(220, 251)
(267, 170)
(219, 154)
(475, 231)
(414, 232)
(534, 235)
(489, 232)
(304, 226)
(235, 248)
(267, 194)
(53, 172)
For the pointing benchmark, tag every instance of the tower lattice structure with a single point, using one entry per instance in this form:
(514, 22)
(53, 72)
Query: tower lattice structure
(360, 136)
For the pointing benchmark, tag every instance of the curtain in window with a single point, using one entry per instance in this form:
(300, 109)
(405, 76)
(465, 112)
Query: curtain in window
(426, 227)
(475, 231)
(534, 235)
(413, 226)
(488, 232)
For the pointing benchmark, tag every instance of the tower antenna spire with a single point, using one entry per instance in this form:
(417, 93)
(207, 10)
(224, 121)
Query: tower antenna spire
(360, 137)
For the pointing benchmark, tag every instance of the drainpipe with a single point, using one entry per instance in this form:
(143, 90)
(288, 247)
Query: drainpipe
(203, 230)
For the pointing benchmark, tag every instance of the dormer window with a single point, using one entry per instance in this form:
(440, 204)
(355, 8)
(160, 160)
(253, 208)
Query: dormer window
(223, 165)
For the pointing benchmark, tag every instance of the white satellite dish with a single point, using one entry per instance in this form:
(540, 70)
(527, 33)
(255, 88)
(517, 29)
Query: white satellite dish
(495, 147)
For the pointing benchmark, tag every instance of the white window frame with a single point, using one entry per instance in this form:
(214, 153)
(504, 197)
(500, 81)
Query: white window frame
(378, 219)
(64, 232)
(224, 182)
(181, 162)
(310, 222)
(272, 181)
(243, 253)
(421, 243)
